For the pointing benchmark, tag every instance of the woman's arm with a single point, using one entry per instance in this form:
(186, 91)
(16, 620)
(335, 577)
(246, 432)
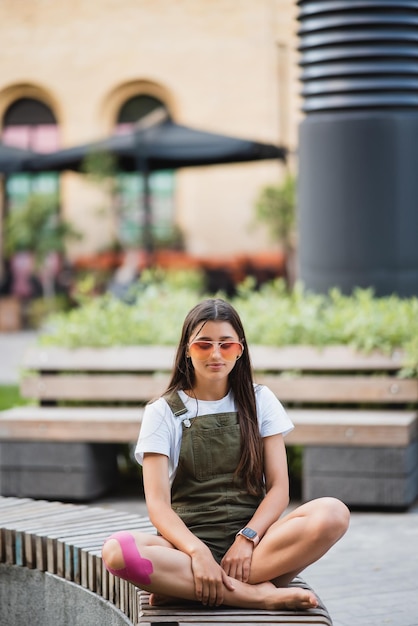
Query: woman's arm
(157, 496)
(237, 561)
(277, 485)
(209, 578)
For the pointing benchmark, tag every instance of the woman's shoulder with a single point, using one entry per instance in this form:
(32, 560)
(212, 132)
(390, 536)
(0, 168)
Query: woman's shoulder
(170, 405)
(158, 406)
(271, 413)
(264, 393)
(267, 399)
(158, 418)
(157, 403)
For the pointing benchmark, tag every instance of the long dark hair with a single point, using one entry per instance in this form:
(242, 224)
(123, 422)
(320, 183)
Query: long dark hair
(250, 467)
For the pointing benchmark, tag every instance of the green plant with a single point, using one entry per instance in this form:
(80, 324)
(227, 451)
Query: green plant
(99, 167)
(159, 301)
(272, 315)
(276, 206)
(39, 309)
(10, 397)
(123, 188)
(174, 240)
(37, 227)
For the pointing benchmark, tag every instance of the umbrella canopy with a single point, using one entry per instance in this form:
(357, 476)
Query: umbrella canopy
(162, 146)
(157, 143)
(14, 159)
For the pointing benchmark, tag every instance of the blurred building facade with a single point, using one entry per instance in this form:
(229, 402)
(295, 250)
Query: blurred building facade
(73, 72)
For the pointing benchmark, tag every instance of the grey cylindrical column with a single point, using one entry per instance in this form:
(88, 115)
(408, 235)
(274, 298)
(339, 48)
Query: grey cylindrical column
(358, 145)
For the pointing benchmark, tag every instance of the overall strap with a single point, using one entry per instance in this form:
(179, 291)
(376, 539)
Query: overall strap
(175, 403)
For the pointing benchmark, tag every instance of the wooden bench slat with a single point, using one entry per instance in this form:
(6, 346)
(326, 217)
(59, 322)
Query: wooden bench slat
(342, 389)
(19, 511)
(91, 424)
(196, 614)
(353, 427)
(141, 388)
(308, 358)
(11, 526)
(37, 524)
(126, 359)
(95, 387)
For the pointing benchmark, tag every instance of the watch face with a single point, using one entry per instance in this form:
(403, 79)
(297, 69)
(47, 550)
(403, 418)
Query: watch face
(248, 532)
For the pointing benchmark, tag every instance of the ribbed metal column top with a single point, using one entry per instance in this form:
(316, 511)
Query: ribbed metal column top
(359, 54)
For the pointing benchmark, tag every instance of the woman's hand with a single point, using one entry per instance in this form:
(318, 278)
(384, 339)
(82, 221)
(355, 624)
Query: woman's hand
(237, 561)
(210, 579)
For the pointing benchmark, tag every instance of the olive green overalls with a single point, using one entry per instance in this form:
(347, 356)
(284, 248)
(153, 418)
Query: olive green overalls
(212, 502)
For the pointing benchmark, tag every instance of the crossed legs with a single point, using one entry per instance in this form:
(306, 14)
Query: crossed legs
(291, 544)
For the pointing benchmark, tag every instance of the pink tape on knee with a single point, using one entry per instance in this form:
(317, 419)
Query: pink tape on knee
(136, 568)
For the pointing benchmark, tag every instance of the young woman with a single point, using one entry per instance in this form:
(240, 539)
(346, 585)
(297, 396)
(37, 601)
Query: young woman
(216, 483)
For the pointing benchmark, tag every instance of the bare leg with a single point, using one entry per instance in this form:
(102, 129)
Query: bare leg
(171, 575)
(299, 539)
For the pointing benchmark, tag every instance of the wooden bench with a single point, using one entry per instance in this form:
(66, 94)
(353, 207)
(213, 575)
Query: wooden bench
(355, 417)
(64, 541)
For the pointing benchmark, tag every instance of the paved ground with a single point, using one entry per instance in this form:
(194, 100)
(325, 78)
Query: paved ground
(370, 578)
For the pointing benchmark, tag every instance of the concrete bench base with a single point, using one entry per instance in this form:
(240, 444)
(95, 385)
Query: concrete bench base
(362, 476)
(40, 598)
(55, 470)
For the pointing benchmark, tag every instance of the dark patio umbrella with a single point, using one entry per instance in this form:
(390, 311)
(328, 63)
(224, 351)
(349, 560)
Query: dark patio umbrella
(157, 143)
(161, 146)
(14, 159)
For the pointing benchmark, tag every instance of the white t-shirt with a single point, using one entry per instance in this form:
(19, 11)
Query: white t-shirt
(161, 430)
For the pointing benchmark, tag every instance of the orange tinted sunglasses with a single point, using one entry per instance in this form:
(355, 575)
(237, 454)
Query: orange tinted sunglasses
(203, 350)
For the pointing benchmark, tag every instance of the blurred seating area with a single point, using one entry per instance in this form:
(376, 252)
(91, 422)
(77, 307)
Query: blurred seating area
(220, 273)
(28, 294)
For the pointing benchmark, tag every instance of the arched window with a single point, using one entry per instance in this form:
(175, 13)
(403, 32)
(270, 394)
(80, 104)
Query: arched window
(29, 123)
(138, 107)
(131, 186)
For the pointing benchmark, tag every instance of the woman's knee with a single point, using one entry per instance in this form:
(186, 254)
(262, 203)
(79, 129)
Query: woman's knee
(333, 517)
(122, 558)
(119, 548)
(112, 554)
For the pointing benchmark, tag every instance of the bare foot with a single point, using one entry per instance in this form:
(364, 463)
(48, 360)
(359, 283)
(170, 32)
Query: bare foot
(289, 598)
(269, 597)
